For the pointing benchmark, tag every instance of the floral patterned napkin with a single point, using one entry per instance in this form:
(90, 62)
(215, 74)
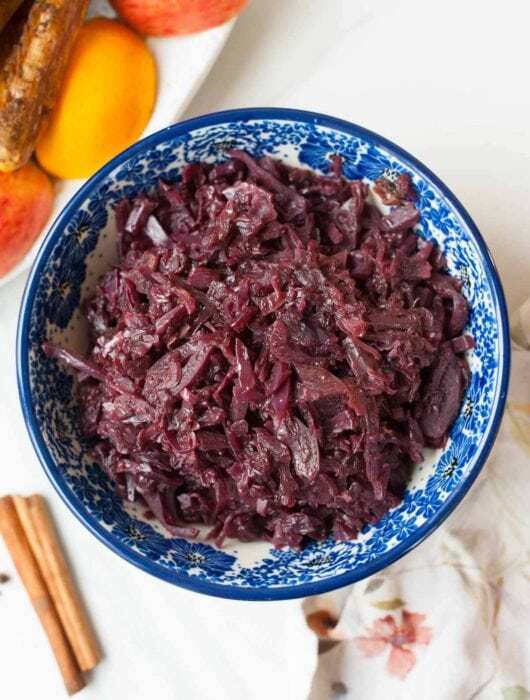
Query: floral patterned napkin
(451, 620)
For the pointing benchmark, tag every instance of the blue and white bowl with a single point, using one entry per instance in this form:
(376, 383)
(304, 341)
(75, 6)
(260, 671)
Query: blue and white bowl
(81, 246)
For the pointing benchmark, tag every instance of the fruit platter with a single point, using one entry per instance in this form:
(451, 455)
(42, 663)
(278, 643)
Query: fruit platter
(79, 82)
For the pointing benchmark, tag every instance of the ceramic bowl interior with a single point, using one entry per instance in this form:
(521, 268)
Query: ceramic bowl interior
(81, 246)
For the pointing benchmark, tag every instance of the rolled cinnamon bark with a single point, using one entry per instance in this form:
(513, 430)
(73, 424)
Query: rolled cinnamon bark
(7, 10)
(31, 74)
(29, 572)
(43, 540)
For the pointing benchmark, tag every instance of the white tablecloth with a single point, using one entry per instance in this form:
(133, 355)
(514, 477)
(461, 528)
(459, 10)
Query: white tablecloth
(447, 81)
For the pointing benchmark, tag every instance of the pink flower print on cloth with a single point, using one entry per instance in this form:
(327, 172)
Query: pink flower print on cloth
(385, 634)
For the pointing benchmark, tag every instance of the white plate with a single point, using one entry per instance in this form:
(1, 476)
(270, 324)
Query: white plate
(183, 63)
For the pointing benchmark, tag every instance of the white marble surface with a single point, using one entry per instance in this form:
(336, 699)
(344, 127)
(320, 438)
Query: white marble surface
(447, 81)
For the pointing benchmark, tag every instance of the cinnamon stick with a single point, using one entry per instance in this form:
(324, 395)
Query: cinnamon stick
(40, 532)
(31, 74)
(26, 565)
(7, 10)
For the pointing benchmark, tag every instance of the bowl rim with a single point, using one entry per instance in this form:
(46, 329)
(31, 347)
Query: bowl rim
(234, 591)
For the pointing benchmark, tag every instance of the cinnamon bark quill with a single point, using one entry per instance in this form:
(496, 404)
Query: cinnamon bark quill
(7, 10)
(43, 540)
(30, 574)
(31, 74)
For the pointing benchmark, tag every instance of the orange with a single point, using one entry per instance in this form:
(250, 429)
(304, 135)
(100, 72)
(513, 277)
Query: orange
(105, 101)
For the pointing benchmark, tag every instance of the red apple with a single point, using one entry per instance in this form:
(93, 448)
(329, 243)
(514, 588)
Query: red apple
(168, 17)
(26, 198)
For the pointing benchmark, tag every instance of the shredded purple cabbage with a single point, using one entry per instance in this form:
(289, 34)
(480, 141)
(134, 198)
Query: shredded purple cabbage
(271, 354)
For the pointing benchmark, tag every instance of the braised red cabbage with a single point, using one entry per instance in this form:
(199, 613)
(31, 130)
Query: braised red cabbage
(271, 354)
